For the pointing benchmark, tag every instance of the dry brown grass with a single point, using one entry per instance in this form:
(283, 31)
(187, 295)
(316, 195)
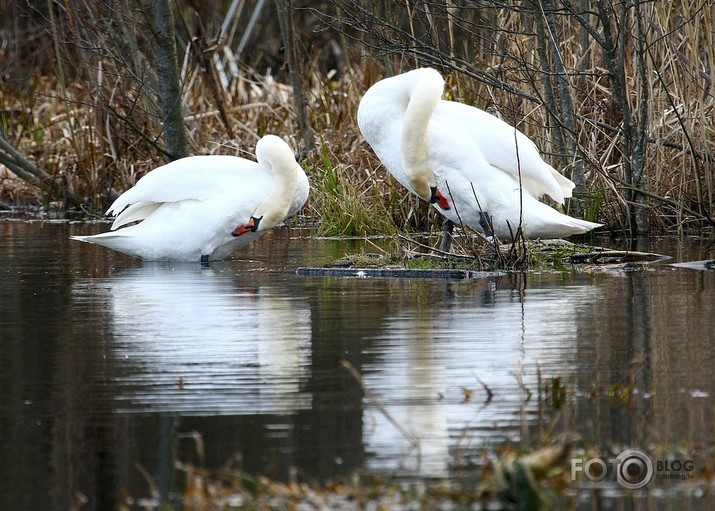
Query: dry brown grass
(502, 68)
(98, 135)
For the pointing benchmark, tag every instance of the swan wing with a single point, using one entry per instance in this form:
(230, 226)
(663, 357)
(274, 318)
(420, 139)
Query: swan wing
(191, 178)
(473, 187)
(504, 147)
(300, 195)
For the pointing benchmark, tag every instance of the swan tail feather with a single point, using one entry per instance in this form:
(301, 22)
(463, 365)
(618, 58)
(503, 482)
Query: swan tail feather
(134, 213)
(570, 226)
(565, 184)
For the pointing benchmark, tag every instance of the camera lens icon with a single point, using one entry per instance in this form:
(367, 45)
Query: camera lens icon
(634, 469)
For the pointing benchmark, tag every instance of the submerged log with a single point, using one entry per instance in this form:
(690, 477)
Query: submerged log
(708, 264)
(405, 273)
(615, 256)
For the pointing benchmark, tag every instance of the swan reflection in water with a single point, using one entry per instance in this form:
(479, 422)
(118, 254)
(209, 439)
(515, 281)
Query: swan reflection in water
(194, 340)
(432, 367)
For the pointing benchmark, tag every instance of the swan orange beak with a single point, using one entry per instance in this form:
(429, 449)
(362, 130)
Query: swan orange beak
(251, 226)
(438, 198)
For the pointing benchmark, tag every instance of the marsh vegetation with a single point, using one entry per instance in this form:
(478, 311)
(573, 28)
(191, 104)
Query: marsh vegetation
(618, 96)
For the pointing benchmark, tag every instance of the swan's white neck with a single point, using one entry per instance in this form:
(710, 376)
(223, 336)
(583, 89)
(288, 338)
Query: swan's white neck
(273, 153)
(426, 86)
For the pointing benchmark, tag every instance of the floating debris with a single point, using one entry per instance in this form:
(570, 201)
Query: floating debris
(542, 254)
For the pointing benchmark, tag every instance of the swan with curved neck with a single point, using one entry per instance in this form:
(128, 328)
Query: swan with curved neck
(205, 207)
(475, 168)
(273, 153)
(424, 98)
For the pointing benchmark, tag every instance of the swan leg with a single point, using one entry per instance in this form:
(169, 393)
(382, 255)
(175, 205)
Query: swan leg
(447, 235)
(485, 222)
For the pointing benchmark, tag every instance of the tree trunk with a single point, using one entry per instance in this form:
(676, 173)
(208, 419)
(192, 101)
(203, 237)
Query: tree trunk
(167, 70)
(286, 23)
(567, 118)
(632, 142)
(640, 183)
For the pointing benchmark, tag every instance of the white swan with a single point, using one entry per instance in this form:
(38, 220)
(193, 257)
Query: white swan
(466, 162)
(202, 208)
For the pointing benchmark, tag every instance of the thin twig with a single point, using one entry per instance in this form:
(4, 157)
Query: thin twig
(414, 441)
(435, 250)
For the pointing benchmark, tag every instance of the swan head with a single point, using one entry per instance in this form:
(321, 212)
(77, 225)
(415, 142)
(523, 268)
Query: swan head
(430, 193)
(436, 197)
(250, 226)
(278, 159)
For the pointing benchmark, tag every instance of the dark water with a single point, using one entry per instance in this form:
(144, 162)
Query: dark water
(113, 369)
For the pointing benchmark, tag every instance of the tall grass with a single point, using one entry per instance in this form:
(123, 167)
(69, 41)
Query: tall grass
(345, 198)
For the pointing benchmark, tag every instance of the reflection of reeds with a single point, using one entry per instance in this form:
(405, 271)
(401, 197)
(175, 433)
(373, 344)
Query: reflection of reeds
(414, 441)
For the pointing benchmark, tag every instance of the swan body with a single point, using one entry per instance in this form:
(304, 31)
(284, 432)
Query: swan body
(202, 208)
(473, 167)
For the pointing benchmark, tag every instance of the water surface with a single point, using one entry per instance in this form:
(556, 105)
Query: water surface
(113, 368)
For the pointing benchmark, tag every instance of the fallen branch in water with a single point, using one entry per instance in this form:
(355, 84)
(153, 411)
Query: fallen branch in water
(23, 168)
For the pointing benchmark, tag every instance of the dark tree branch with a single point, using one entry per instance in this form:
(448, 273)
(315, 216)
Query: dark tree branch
(29, 172)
